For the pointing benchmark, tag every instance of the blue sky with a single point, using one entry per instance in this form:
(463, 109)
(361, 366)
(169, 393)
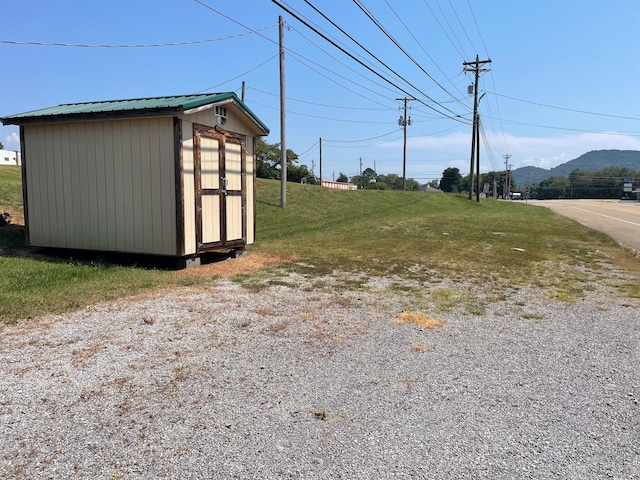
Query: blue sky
(564, 75)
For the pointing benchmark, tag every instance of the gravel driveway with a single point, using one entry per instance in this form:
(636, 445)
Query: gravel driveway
(287, 382)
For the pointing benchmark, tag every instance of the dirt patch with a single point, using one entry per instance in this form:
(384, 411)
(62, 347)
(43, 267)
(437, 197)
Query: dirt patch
(248, 263)
(17, 216)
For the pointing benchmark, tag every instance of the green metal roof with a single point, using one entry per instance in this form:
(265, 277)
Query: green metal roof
(136, 107)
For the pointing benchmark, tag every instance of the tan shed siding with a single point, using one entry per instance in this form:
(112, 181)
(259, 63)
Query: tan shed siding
(250, 191)
(105, 185)
(189, 188)
(234, 214)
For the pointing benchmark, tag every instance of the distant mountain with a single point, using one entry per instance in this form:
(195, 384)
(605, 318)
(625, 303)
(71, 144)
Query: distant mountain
(590, 161)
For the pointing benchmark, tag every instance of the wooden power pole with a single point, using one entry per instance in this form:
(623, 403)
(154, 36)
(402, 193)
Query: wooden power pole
(320, 161)
(403, 122)
(475, 68)
(283, 122)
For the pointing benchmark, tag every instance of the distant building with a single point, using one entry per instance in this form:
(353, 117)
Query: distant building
(339, 185)
(9, 157)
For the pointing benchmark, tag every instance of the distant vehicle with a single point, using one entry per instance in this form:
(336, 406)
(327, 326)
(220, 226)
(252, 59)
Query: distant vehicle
(516, 196)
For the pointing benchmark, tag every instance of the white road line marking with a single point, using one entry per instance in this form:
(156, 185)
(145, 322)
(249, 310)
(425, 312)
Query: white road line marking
(607, 216)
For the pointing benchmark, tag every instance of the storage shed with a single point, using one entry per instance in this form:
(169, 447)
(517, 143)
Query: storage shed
(170, 176)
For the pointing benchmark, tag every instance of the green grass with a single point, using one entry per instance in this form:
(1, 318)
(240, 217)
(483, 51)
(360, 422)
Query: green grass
(11, 190)
(424, 236)
(420, 239)
(31, 287)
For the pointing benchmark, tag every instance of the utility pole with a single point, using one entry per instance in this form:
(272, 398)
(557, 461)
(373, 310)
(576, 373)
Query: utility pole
(506, 189)
(403, 121)
(242, 98)
(320, 161)
(475, 68)
(283, 121)
(361, 184)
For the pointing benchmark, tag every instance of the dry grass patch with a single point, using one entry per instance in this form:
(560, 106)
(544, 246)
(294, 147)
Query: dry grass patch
(419, 319)
(244, 265)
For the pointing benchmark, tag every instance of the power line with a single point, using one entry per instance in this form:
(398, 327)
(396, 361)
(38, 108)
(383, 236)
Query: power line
(563, 108)
(478, 29)
(397, 44)
(461, 25)
(457, 117)
(151, 45)
(430, 58)
(320, 117)
(290, 51)
(599, 132)
(241, 75)
(463, 54)
(362, 140)
(342, 63)
(345, 107)
(353, 40)
(344, 78)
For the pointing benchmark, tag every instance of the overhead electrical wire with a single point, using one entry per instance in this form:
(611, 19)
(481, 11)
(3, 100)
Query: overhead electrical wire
(478, 29)
(151, 45)
(318, 116)
(457, 117)
(461, 52)
(403, 50)
(362, 140)
(564, 108)
(345, 107)
(487, 146)
(241, 75)
(464, 30)
(342, 63)
(339, 84)
(550, 127)
(287, 49)
(430, 58)
(356, 42)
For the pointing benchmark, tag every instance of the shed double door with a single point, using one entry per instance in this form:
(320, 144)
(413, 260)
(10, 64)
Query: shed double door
(220, 173)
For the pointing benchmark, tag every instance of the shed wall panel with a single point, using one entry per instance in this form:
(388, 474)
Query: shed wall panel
(106, 185)
(250, 172)
(189, 188)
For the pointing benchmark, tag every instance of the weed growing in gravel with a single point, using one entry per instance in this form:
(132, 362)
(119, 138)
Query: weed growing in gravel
(420, 319)
(446, 299)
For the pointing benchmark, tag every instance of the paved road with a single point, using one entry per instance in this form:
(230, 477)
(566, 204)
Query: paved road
(619, 220)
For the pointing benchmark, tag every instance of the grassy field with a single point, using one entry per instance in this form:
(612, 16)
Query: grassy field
(410, 235)
(11, 192)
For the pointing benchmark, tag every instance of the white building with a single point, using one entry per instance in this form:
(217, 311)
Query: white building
(9, 157)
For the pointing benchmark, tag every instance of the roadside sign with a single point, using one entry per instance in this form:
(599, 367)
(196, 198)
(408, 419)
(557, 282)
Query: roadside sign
(527, 190)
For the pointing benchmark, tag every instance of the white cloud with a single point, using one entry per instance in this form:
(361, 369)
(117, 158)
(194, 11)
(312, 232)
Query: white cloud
(543, 152)
(11, 141)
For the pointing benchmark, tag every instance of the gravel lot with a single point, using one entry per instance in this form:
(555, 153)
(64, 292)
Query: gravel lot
(223, 382)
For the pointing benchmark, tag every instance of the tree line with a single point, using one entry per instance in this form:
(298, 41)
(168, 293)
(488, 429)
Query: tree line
(607, 182)
(453, 181)
(268, 165)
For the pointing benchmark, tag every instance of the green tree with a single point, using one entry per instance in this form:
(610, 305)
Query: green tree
(554, 187)
(412, 185)
(451, 180)
(491, 177)
(342, 178)
(367, 180)
(393, 181)
(268, 159)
